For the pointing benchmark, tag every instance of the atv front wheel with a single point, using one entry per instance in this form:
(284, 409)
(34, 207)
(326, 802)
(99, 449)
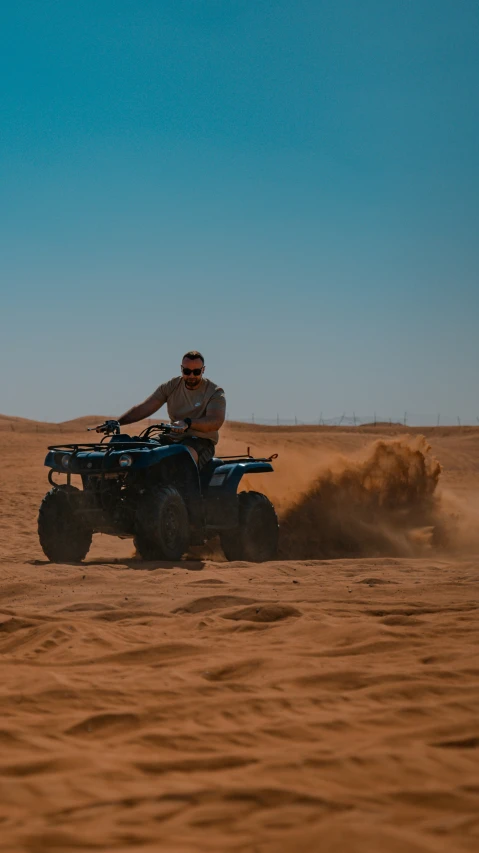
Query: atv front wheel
(256, 537)
(64, 535)
(162, 525)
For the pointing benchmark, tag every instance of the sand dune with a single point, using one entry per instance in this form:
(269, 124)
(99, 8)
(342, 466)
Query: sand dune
(208, 706)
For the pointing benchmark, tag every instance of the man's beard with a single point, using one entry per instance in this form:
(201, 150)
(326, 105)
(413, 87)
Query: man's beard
(191, 384)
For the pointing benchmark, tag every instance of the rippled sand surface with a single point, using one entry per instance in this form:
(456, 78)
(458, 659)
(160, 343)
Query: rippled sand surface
(208, 706)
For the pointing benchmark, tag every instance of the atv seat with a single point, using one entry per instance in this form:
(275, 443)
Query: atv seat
(208, 470)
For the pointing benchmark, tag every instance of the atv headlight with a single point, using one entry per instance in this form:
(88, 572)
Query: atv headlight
(125, 461)
(66, 460)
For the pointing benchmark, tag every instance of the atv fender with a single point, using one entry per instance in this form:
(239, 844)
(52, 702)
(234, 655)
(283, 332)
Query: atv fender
(222, 493)
(85, 461)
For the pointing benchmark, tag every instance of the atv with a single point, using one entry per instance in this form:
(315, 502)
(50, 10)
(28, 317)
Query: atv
(148, 487)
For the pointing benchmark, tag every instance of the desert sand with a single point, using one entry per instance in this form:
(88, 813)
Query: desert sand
(327, 701)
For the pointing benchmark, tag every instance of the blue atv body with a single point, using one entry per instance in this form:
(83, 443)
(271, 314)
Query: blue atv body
(148, 487)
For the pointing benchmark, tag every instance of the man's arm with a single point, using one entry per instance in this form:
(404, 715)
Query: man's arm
(212, 421)
(142, 411)
(213, 418)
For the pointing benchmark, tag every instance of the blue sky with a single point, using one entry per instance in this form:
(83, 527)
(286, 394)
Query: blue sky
(291, 187)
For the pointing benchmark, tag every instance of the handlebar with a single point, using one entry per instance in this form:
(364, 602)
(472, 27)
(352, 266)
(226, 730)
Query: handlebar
(164, 428)
(112, 427)
(108, 427)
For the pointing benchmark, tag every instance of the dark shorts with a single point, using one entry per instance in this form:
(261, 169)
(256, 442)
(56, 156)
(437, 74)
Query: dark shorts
(203, 446)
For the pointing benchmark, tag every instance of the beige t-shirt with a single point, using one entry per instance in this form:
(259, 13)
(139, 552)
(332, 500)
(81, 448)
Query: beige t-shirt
(182, 403)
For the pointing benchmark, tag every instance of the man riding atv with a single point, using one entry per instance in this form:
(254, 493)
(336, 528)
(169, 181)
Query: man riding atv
(149, 486)
(196, 408)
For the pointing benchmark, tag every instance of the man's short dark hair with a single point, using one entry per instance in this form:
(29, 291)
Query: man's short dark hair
(192, 354)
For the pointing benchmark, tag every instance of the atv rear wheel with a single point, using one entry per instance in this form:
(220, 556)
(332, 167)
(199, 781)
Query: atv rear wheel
(162, 525)
(256, 537)
(64, 534)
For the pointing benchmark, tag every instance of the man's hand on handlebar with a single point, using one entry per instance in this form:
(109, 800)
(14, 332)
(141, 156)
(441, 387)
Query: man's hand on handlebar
(178, 427)
(109, 427)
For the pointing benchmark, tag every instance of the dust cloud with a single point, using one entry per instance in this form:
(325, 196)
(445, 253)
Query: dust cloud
(384, 502)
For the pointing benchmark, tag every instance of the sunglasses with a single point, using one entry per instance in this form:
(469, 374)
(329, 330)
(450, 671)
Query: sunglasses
(196, 372)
